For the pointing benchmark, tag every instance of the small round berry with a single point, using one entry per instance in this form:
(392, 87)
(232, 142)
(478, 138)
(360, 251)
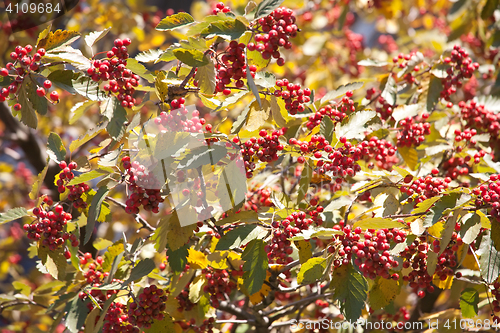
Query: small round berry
(47, 84)
(54, 96)
(40, 91)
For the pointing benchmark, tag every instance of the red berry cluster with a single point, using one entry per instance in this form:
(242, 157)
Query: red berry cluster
(477, 117)
(257, 199)
(117, 320)
(232, 66)
(144, 188)
(49, 226)
(218, 284)
(75, 191)
(466, 135)
(336, 112)
(413, 132)
(354, 44)
(113, 69)
(150, 305)
(457, 166)
(23, 64)
(372, 254)
(184, 301)
(489, 194)
(292, 95)
(404, 61)
(276, 30)
(265, 148)
(178, 121)
(461, 67)
(496, 302)
(447, 259)
(425, 187)
(398, 319)
(207, 326)
(378, 149)
(220, 7)
(280, 247)
(383, 108)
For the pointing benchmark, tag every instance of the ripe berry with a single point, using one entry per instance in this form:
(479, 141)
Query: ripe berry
(54, 96)
(47, 84)
(40, 91)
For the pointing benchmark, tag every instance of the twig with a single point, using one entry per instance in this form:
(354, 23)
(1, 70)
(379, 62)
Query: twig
(138, 218)
(14, 303)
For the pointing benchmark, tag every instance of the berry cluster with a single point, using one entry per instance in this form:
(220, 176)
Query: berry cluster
(177, 120)
(23, 64)
(457, 166)
(466, 135)
(447, 259)
(257, 199)
(383, 108)
(292, 95)
(112, 70)
(378, 149)
(461, 67)
(496, 302)
(413, 132)
(398, 319)
(336, 111)
(404, 61)
(372, 253)
(116, 320)
(49, 226)
(75, 191)
(276, 30)
(220, 7)
(477, 117)
(354, 44)
(489, 194)
(207, 326)
(218, 284)
(232, 66)
(144, 188)
(150, 305)
(280, 247)
(184, 301)
(265, 148)
(425, 187)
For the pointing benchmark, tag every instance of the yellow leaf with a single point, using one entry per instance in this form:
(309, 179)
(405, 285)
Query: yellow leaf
(58, 38)
(410, 155)
(383, 292)
(305, 251)
(446, 284)
(257, 117)
(261, 294)
(161, 87)
(436, 229)
(196, 259)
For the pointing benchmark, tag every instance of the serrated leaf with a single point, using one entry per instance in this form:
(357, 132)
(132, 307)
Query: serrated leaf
(13, 214)
(39, 181)
(39, 103)
(229, 30)
(42, 35)
(206, 78)
(469, 298)
(87, 176)
(58, 39)
(491, 103)
(433, 93)
(353, 289)
(341, 91)
(311, 271)
(305, 250)
(372, 63)
(253, 57)
(143, 268)
(203, 155)
(170, 232)
(238, 237)
(117, 116)
(243, 217)
(175, 21)
(327, 128)
(255, 265)
(89, 135)
(403, 111)
(63, 79)
(316, 233)
(78, 110)
(94, 212)
(55, 148)
(436, 212)
(86, 87)
(383, 292)
(95, 36)
(266, 7)
(253, 87)
(193, 58)
(70, 55)
(305, 180)
(390, 91)
(28, 112)
(489, 259)
(258, 115)
(410, 156)
(162, 326)
(355, 127)
(378, 223)
(232, 99)
(197, 260)
(140, 70)
(149, 55)
(77, 313)
(471, 227)
(177, 259)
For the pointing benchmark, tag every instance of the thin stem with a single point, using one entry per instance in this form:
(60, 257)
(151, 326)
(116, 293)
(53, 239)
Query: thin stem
(138, 218)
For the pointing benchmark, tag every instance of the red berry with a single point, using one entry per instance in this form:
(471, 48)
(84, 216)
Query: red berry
(47, 84)
(40, 91)
(54, 96)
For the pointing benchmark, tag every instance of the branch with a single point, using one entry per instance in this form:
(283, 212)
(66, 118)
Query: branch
(138, 218)
(19, 302)
(238, 312)
(297, 262)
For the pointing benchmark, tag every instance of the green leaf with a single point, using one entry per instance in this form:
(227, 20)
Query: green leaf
(311, 271)
(55, 148)
(327, 128)
(253, 57)
(255, 265)
(77, 313)
(266, 7)
(28, 112)
(238, 237)
(372, 63)
(39, 181)
(471, 227)
(63, 79)
(13, 214)
(140, 70)
(143, 268)
(117, 116)
(489, 259)
(229, 30)
(206, 78)
(149, 55)
(58, 39)
(305, 180)
(354, 290)
(94, 212)
(78, 110)
(95, 36)
(425, 205)
(383, 292)
(39, 103)
(436, 212)
(355, 127)
(193, 58)
(175, 21)
(203, 155)
(162, 326)
(253, 87)
(433, 93)
(410, 156)
(390, 91)
(340, 91)
(469, 298)
(89, 135)
(378, 223)
(85, 177)
(178, 259)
